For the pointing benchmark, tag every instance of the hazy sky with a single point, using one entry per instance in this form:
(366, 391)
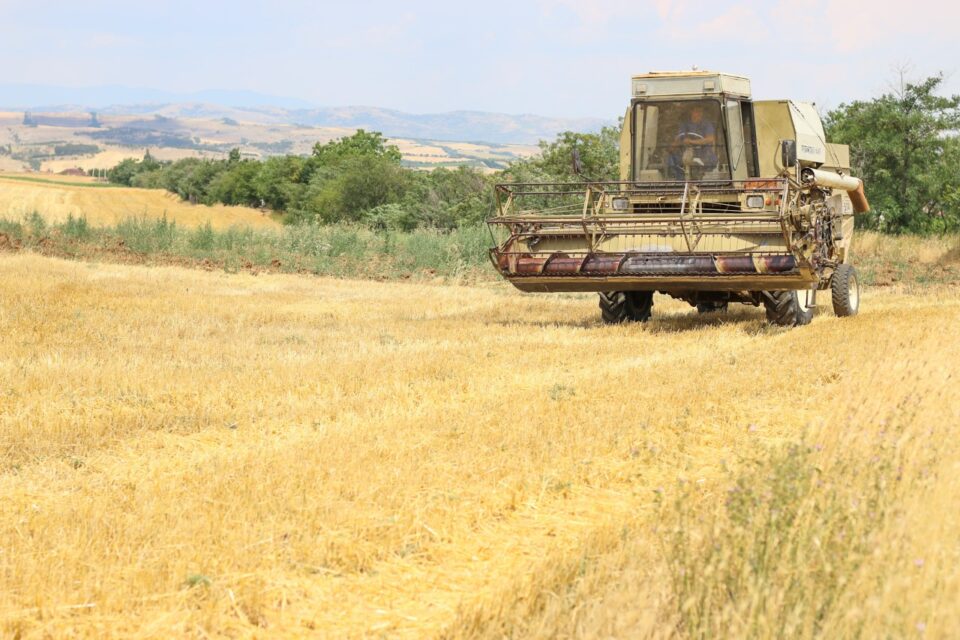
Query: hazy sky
(551, 57)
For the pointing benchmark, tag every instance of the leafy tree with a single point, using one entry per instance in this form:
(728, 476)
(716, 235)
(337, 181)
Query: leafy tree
(149, 180)
(394, 217)
(149, 163)
(278, 182)
(361, 183)
(236, 185)
(904, 146)
(448, 198)
(946, 180)
(599, 155)
(346, 177)
(124, 172)
(361, 143)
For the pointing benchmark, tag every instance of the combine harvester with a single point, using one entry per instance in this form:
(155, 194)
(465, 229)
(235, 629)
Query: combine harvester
(721, 199)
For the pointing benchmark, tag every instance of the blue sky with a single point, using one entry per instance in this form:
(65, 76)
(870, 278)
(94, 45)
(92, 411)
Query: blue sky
(550, 57)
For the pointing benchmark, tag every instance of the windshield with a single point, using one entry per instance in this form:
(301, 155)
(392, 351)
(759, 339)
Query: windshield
(679, 140)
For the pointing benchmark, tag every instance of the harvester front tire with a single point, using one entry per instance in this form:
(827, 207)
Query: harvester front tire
(617, 307)
(845, 290)
(784, 309)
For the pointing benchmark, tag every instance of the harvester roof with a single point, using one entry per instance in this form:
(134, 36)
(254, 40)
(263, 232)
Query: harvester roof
(689, 84)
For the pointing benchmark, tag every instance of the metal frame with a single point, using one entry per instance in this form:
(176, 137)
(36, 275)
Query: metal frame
(586, 206)
(692, 210)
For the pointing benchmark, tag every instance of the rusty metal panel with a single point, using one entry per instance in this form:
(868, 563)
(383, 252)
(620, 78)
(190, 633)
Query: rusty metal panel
(530, 265)
(736, 264)
(602, 264)
(563, 265)
(776, 264)
(503, 261)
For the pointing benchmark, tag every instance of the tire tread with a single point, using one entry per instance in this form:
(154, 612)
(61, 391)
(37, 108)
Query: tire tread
(783, 309)
(840, 291)
(617, 307)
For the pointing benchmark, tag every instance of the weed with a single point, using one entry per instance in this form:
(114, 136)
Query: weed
(36, 224)
(197, 580)
(202, 238)
(76, 228)
(561, 392)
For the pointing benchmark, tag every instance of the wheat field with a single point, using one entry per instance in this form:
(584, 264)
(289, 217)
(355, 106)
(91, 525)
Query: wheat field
(193, 454)
(61, 196)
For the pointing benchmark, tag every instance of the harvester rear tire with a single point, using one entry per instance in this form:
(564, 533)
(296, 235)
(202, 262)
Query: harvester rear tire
(784, 309)
(617, 307)
(845, 290)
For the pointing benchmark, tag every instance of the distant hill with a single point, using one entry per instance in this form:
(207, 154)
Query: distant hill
(66, 140)
(456, 125)
(53, 98)
(243, 106)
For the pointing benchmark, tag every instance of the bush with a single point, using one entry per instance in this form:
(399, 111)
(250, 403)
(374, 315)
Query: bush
(202, 238)
(394, 217)
(76, 228)
(36, 224)
(147, 236)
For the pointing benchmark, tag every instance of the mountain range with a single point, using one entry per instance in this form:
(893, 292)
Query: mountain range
(246, 106)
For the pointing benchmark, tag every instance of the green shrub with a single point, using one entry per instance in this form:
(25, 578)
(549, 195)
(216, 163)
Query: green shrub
(347, 250)
(393, 216)
(202, 238)
(147, 236)
(76, 228)
(36, 224)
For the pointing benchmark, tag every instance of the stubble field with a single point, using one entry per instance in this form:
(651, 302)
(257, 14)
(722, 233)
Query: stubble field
(200, 454)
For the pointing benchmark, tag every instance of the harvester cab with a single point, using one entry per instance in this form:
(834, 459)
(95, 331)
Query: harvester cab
(721, 199)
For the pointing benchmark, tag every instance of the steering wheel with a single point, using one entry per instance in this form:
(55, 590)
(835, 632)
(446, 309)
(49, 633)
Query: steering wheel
(688, 134)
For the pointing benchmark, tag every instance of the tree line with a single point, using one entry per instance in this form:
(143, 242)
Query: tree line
(906, 147)
(354, 179)
(904, 144)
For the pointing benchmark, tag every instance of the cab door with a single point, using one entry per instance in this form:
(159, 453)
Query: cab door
(736, 144)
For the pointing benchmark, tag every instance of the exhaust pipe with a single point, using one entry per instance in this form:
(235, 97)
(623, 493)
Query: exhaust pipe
(853, 186)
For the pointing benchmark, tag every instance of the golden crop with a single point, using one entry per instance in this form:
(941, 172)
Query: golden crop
(200, 454)
(62, 196)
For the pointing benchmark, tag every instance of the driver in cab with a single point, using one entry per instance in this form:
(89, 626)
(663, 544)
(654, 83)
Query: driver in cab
(697, 136)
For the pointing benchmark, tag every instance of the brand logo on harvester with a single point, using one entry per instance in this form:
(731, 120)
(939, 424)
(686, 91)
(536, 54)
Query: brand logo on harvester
(812, 150)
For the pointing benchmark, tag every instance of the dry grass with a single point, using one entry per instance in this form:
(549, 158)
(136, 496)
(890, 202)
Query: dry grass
(911, 260)
(61, 196)
(112, 156)
(925, 251)
(201, 454)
